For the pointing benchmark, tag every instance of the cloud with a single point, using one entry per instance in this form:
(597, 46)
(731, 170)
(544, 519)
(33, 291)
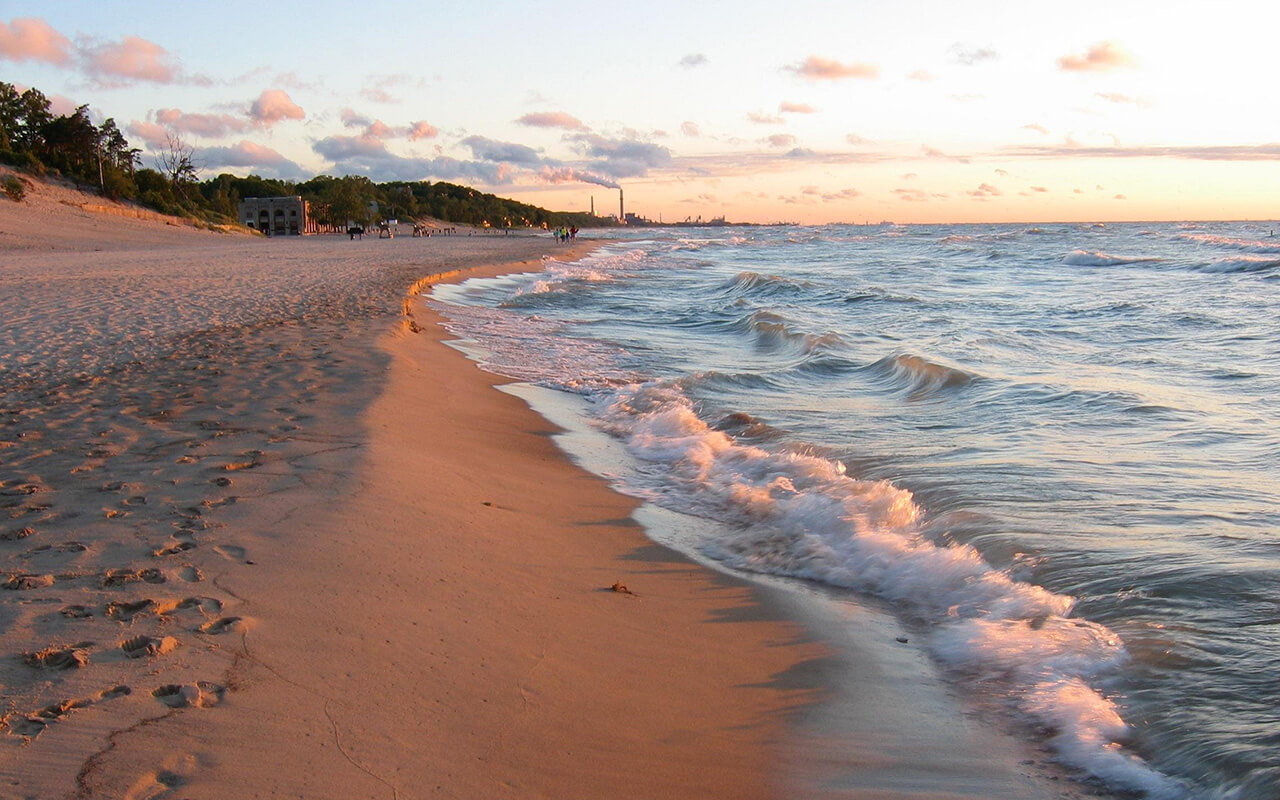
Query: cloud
(693, 60)
(31, 39)
(486, 149)
(1002, 172)
(250, 154)
(1040, 189)
(969, 56)
(211, 125)
(377, 95)
(1122, 99)
(984, 191)
(351, 119)
(552, 119)
(131, 59)
(1243, 152)
(781, 140)
(152, 134)
(818, 68)
(801, 152)
(933, 152)
(796, 108)
(1037, 127)
(275, 105)
(690, 129)
(422, 130)
(853, 138)
(912, 195)
(1120, 197)
(760, 118)
(921, 75)
(843, 194)
(621, 158)
(1100, 57)
(368, 155)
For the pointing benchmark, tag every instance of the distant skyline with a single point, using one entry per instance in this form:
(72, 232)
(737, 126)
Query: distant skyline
(809, 112)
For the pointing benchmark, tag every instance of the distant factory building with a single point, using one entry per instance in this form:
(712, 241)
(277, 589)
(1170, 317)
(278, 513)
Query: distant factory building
(277, 216)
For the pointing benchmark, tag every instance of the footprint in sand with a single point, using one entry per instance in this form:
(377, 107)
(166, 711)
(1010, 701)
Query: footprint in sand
(191, 574)
(148, 646)
(222, 625)
(126, 611)
(32, 725)
(75, 612)
(120, 577)
(58, 658)
(206, 606)
(25, 581)
(232, 552)
(201, 694)
(17, 534)
(173, 549)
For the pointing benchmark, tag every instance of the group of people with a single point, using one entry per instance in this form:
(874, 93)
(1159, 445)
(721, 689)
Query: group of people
(564, 234)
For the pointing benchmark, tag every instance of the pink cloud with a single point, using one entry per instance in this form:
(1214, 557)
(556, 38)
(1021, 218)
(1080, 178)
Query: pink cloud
(912, 195)
(765, 119)
(690, 129)
(378, 96)
(797, 108)
(213, 125)
(984, 191)
(1100, 57)
(132, 58)
(61, 105)
(252, 155)
(152, 134)
(818, 68)
(781, 140)
(921, 75)
(33, 39)
(552, 119)
(274, 105)
(423, 130)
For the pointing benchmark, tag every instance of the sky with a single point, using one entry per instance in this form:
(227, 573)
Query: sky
(809, 112)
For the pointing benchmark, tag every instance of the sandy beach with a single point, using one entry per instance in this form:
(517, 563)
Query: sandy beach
(261, 538)
(266, 535)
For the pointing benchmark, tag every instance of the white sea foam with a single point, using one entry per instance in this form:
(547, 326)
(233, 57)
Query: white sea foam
(803, 516)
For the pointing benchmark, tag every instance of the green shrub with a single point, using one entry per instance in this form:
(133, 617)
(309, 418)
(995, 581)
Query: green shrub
(13, 187)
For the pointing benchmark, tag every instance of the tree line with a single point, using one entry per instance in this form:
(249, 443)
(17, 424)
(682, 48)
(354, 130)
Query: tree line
(71, 146)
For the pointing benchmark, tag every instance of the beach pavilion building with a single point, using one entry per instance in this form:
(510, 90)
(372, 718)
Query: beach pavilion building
(277, 216)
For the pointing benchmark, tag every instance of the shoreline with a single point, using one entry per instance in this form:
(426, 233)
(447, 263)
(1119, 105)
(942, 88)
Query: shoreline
(286, 541)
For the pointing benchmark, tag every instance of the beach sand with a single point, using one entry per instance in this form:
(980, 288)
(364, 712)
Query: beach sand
(264, 534)
(260, 538)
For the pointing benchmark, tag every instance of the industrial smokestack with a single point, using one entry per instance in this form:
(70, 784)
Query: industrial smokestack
(593, 205)
(622, 211)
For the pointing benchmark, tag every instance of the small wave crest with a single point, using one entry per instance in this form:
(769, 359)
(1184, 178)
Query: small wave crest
(773, 331)
(801, 515)
(1228, 243)
(918, 377)
(755, 284)
(1095, 258)
(1243, 264)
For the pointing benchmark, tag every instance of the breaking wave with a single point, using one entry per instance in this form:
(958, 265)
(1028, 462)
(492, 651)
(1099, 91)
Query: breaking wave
(803, 516)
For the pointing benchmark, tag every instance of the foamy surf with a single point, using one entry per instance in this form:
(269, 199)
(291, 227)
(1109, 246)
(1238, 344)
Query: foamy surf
(803, 516)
